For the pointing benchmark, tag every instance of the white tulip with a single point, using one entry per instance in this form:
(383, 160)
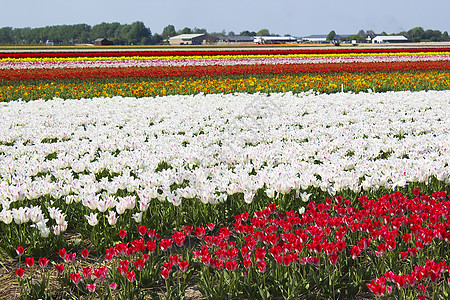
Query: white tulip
(92, 219)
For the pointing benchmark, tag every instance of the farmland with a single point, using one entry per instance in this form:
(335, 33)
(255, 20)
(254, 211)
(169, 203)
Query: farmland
(250, 173)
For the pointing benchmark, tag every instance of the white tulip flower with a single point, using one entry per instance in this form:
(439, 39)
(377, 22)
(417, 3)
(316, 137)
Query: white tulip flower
(92, 219)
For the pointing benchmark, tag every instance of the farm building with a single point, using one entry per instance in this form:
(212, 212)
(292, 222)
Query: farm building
(322, 38)
(236, 39)
(390, 39)
(188, 39)
(274, 39)
(315, 38)
(103, 42)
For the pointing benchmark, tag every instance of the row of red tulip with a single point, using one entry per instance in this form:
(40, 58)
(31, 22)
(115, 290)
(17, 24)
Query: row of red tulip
(200, 71)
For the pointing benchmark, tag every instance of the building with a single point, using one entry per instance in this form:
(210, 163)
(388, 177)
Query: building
(103, 42)
(390, 39)
(322, 38)
(274, 39)
(236, 39)
(188, 39)
(315, 38)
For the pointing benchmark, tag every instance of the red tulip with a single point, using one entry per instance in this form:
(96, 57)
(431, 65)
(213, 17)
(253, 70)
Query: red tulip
(231, 265)
(91, 287)
(84, 253)
(87, 273)
(131, 276)
(122, 233)
(20, 250)
(139, 264)
(183, 265)
(19, 272)
(62, 252)
(164, 274)
(29, 261)
(75, 277)
(262, 265)
(59, 268)
(142, 230)
(43, 262)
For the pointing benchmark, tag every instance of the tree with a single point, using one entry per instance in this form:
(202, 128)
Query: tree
(199, 30)
(331, 36)
(6, 35)
(263, 32)
(138, 33)
(416, 34)
(186, 30)
(168, 31)
(248, 33)
(157, 39)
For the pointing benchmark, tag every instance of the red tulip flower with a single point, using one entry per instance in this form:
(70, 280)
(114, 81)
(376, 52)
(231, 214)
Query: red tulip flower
(84, 253)
(20, 250)
(29, 261)
(131, 276)
(142, 230)
(262, 265)
(122, 233)
(59, 268)
(75, 277)
(91, 287)
(165, 273)
(19, 272)
(139, 264)
(231, 265)
(87, 273)
(183, 265)
(43, 262)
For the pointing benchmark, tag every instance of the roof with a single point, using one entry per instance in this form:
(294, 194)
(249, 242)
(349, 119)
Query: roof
(100, 39)
(390, 38)
(316, 36)
(238, 38)
(187, 36)
(275, 38)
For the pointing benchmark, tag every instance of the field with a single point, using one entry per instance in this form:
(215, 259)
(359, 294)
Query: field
(238, 173)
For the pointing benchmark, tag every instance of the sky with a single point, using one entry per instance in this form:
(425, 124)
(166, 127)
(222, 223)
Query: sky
(295, 17)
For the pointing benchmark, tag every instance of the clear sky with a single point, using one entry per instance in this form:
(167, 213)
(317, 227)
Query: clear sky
(297, 17)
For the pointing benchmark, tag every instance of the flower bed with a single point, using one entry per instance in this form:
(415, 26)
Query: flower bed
(331, 249)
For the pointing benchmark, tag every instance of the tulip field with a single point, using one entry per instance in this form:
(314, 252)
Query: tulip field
(225, 174)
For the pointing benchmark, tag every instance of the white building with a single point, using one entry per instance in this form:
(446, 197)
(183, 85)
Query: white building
(274, 39)
(390, 39)
(188, 39)
(315, 38)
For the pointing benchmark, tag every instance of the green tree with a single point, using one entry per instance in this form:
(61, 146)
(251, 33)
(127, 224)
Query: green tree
(168, 31)
(331, 35)
(6, 35)
(199, 30)
(416, 34)
(248, 33)
(157, 39)
(263, 32)
(138, 33)
(185, 30)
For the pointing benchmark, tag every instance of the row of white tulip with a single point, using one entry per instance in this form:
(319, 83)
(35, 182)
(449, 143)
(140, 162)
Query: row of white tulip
(213, 62)
(211, 146)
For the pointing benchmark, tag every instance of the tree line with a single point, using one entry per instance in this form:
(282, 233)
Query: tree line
(138, 34)
(120, 34)
(416, 34)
